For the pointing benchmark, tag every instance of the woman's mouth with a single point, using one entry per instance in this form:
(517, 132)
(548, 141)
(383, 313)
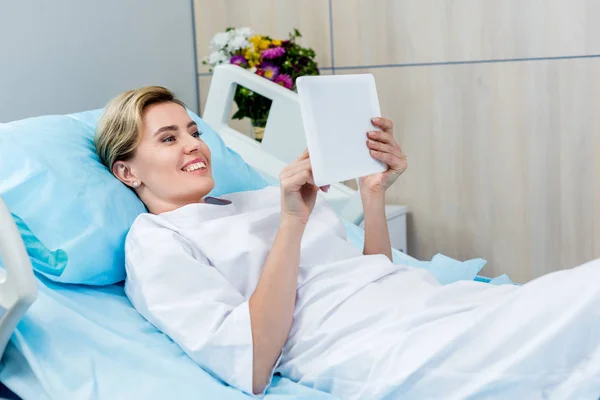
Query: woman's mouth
(197, 167)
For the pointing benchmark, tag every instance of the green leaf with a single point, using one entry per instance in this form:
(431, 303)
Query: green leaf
(238, 115)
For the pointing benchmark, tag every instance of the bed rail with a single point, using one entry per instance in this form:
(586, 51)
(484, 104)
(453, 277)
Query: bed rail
(18, 289)
(283, 139)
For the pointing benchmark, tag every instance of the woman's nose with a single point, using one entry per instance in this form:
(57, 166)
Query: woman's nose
(192, 145)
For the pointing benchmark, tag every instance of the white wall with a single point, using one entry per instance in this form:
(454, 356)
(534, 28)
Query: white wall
(63, 56)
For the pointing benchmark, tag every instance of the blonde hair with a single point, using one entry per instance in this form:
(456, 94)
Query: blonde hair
(117, 134)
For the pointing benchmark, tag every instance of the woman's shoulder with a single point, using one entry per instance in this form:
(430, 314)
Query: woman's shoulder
(147, 225)
(152, 236)
(147, 219)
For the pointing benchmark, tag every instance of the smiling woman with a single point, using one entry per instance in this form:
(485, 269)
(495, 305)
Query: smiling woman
(266, 281)
(150, 143)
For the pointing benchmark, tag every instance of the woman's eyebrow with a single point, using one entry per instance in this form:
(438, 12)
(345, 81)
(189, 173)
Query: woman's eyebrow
(166, 128)
(173, 128)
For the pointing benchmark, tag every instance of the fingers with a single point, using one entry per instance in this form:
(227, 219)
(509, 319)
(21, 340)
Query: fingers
(385, 137)
(304, 155)
(297, 180)
(300, 163)
(384, 147)
(296, 170)
(303, 177)
(297, 173)
(295, 167)
(389, 159)
(394, 162)
(383, 123)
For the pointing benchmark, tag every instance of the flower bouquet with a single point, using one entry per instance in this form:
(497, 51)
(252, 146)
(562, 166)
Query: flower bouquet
(280, 61)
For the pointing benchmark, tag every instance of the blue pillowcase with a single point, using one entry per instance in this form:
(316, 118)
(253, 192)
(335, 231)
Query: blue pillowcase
(62, 197)
(43, 260)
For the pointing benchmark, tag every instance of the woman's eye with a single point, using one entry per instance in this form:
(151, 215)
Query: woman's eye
(196, 134)
(169, 139)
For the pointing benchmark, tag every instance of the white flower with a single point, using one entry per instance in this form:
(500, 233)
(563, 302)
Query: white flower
(219, 41)
(217, 57)
(237, 43)
(253, 69)
(246, 32)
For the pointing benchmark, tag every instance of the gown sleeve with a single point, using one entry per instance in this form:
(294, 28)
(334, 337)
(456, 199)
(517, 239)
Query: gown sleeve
(178, 291)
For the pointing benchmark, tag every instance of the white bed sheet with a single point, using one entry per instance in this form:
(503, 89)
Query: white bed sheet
(89, 342)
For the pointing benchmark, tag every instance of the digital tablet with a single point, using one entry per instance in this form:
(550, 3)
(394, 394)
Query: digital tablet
(336, 113)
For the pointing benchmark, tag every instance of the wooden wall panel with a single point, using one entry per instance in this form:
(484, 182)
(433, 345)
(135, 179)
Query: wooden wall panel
(368, 32)
(502, 161)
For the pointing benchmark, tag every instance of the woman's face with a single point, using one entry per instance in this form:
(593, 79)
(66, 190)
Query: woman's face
(172, 164)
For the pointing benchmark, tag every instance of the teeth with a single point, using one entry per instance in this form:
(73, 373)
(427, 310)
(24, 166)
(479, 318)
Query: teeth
(194, 167)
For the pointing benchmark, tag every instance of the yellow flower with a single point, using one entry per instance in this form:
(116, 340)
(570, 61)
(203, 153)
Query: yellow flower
(252, 56)
(269, 73)
(255, 40)
(276, 42)
(264, 44)
(251, 52)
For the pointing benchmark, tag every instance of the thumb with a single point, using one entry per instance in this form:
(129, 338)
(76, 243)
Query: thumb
(304, 155)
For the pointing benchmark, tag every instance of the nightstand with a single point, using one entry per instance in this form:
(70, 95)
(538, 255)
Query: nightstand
(396, 220)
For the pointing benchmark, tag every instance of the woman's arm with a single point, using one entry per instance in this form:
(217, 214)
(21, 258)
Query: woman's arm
(384, 148)
(273, 301)
(377, 236)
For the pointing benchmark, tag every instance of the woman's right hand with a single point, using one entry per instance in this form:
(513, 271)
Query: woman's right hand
(298, 190)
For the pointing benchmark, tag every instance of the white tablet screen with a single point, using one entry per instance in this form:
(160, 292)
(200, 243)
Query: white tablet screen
(336, 113)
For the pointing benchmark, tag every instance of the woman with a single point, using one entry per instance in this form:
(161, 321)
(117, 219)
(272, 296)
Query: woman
(265, 281)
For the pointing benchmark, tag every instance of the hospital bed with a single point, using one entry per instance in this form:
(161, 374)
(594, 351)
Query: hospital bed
(81, 341)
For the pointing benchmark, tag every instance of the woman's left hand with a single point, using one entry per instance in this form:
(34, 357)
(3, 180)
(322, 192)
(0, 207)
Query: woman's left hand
(384, 148)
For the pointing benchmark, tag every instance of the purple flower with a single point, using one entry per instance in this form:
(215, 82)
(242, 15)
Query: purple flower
(238, 60)
(284, 80)
(273, 52)
(270, 71)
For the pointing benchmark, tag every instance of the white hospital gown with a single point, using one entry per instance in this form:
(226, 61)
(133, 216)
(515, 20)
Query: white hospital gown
(363, 327)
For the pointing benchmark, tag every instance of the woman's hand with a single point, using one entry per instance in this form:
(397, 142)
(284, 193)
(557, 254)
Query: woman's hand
(384, 148)
(298, 190)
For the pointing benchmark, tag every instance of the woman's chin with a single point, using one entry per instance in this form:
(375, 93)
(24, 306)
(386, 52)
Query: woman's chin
(195, 186)
(204, 186)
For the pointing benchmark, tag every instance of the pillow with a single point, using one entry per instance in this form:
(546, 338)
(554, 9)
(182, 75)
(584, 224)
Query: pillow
(60, 194)
(42, 259)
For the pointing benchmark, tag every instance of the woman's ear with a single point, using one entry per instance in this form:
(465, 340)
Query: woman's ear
(125, 174)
